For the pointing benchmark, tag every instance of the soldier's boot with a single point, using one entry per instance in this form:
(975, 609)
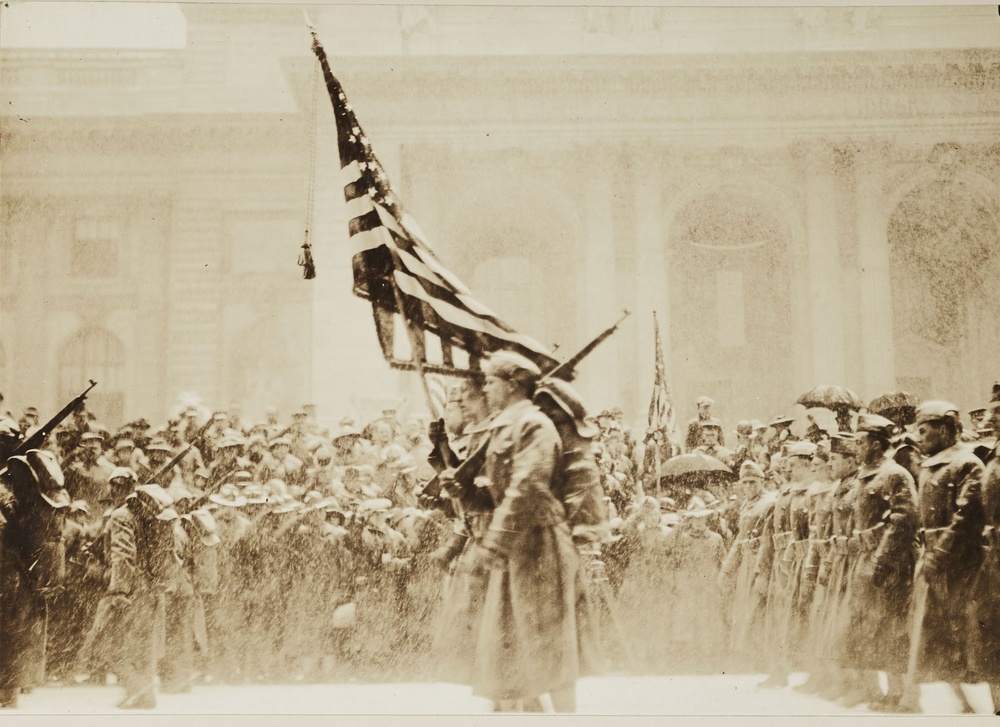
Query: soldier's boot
(864, 688)
(995, 696)
(8, 697)
(963, 701)
(909, 703)
(564, 699)
(836, 685)
(327, 667)
(890, 700)
(508, 705)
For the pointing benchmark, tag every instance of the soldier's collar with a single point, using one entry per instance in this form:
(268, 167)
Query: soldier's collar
(942, 457)
(511, 413)
(866, 471)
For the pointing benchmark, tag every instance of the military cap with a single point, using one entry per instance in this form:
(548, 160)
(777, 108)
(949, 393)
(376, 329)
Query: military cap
(875, 424)
(91, 437)
(41, 467)
(229, 440)
(511, 365)
(123, 473)
(124, 443)
(255, 494)
(749, 468)
(781, 421)
(743, 427)
(9, 428)
(228, 495)
(279, 441)
(373, 505)
(800, 449)
(704, 401)
(159, 445)
(31, 411)
(936, 411)
(697, 508)
(347, 430)
(205, 526)
(977, 410)
(243, 476)
(843, 443)
(79, 506)
(202, 472)
(712, 423)
(566, 398)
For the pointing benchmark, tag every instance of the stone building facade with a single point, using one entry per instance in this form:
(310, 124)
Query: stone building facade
(803, 195)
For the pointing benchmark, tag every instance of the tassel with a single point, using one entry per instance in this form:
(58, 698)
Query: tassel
(306, 261)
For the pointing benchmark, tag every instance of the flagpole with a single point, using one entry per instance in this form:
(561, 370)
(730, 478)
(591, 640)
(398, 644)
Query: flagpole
(414, 346)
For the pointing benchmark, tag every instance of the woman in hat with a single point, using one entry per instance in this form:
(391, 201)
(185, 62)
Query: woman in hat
(33, 504)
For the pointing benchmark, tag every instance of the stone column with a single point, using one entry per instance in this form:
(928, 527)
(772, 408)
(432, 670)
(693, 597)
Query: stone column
(599, 378)
(822, 263)
(877, 344)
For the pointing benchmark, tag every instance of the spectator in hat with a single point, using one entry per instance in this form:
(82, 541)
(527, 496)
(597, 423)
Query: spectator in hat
(121, 454)
(951, 517)
(694, 428)
(87, 476)
(348, 448)
(227, 462)
(711, 442)
(281, 464)
(29, 421)
(159, 452)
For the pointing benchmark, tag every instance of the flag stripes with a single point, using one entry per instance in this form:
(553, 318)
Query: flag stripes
(393, 263)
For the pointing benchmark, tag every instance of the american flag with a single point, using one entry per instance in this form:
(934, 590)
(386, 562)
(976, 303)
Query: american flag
(661, 407)
(394, 266)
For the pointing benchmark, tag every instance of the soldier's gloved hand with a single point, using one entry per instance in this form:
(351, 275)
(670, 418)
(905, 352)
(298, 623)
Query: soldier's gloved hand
(933, 563)
(880, 574)
(485, 559)
(436, 433)
(121, 601)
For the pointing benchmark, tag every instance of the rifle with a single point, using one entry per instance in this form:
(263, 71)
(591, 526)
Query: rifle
(160, 475)
(42, 433)
(466, 472)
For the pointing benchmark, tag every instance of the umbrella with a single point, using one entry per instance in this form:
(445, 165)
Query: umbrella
(898, 406)
(827, 396)
(693, 463)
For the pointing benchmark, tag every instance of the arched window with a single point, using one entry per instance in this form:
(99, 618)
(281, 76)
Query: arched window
(510, 284)
(94, 353)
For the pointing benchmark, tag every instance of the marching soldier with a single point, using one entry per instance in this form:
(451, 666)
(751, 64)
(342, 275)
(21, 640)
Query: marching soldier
(528, 550)
(33, 504)
(87, 476)
(130, 618)
(951, 519)
(711, 442)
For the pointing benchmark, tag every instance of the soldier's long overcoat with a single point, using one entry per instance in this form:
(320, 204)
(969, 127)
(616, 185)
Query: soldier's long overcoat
(527, 643)
(951, 518)
(984, 630)
(885, 520)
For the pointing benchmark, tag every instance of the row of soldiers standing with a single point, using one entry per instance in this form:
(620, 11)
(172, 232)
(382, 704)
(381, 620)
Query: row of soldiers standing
(874, 553)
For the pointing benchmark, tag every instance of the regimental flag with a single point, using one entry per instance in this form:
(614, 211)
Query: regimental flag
(395, 268)
(661, 406)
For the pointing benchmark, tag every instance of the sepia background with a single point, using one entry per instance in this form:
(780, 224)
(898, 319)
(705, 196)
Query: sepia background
(803, 195)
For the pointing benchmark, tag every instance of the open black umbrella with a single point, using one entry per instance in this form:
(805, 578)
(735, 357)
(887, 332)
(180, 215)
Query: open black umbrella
(899, 407)
(685, 473)
(832, 397)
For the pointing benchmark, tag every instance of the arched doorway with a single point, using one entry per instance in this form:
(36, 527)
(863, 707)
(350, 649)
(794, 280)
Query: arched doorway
(94, 353)
(944, 261)
(730, 304)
